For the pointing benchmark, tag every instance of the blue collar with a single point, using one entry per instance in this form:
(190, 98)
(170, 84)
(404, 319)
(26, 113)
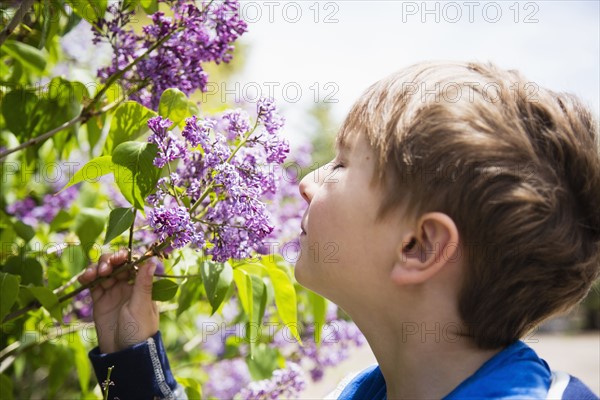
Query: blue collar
(515, 372)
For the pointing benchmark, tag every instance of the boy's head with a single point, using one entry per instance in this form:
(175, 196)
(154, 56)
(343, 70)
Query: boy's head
(514, 166)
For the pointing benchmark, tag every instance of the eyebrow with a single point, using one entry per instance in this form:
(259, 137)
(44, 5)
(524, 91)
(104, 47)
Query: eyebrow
(341, 144)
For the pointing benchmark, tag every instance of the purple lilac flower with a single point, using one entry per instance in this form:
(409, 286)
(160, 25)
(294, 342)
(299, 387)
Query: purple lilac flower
(226, 378)
(267, 115)
(82, 305)
(235, 123)
(231, 183)
(196, 131)
(285, 383)
(197, 36)
(338, 337)
(29, 212)
(175, 223)
(170, 147)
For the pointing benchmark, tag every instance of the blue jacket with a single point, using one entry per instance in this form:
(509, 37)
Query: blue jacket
(142, 372)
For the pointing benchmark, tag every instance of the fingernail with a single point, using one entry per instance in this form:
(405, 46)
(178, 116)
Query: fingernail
(103, 267)
(89, 270)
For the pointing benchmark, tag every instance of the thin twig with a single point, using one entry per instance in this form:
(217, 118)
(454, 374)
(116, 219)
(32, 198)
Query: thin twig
(16, 20)
(177, 276)
(153, 251)
(130, 246)
(82, 117)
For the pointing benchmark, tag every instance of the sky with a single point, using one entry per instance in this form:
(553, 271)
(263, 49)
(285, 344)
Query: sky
(331, 51)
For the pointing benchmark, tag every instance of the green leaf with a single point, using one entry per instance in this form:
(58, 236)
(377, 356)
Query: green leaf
(263, 362)
(47, 299)
(6, 388)
(9, 290)
(244, 287)
(91, 10)
(17, 108)
(173, 105)
(94, 128)
(253, 296)
(30, 57)
(259, 305)
(57, 373)
(24, 231)
(89, 224)
(29, 269)
(191, 290)
(92, 171)
(149, 6)
(119, 221)
(63, 220)
(136, 175)
(217, 278)
(164, 290)
(192, 388)
(74, 258)
(129, 122)
(285, 300)
(82, 363)
(319, 310)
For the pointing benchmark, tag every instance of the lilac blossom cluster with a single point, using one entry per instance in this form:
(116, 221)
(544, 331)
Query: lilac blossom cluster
(225, 378)
(225, 173)
(285, 383)
(32, 212)
(192, 36)
(80, 308)
(339, 337)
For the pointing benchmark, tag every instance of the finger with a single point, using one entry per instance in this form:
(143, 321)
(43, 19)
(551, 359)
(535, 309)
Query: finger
(96, 293)
(107, 284)
(119, 257)
(107, 262)
(141, 298)
(89, 275)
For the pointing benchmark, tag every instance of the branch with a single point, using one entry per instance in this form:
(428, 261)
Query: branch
(43, 137)
(82, 117)
(86, 113)
(155, 250)
(16, 20)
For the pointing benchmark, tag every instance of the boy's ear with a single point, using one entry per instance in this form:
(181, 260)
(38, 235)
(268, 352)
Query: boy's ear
(427, 250)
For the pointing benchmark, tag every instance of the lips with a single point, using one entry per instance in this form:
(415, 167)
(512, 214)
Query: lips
(302, 224)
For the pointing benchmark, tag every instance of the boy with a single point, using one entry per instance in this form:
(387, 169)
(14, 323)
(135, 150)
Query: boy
(463, 200)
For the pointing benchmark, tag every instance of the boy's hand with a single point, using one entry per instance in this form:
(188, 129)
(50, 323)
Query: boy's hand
(124, 313)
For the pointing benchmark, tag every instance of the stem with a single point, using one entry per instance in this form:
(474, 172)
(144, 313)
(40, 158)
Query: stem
(173, 185)
(107, 382)
(130, 247)
(177, 276)
(82, 117)
(86, 114)
(152, 252)
(43, 137)
(119, 74)
(16, 20)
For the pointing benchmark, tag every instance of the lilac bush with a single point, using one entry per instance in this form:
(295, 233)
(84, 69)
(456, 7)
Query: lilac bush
(205, 194)
(193, 36)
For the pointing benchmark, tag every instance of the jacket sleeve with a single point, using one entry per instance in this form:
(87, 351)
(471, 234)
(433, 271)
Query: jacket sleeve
(141, 371)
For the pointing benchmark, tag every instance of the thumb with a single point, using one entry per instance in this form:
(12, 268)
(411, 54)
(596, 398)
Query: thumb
(141, 298)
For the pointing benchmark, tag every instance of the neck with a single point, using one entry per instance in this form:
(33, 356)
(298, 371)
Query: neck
(421, 359)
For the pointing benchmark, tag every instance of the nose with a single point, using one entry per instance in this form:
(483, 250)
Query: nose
(311, 183)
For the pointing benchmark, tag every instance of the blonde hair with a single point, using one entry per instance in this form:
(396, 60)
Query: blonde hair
(516, 167)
